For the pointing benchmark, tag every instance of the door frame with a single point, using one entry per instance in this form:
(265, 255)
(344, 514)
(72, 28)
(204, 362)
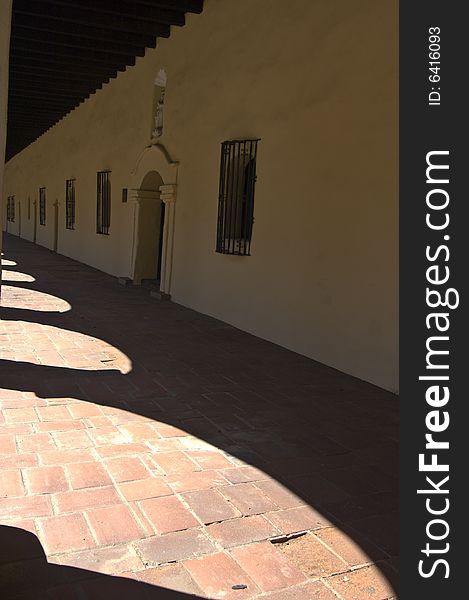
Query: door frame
(35, 220)
(56, 225)
(156, 158)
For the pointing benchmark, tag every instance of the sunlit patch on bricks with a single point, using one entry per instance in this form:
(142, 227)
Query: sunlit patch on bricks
(28, 299)
(16, 276)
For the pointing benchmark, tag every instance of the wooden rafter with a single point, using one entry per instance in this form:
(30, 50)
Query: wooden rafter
(62, 51)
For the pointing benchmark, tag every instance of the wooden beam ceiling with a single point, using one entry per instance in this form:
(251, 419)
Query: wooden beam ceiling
(62, 51)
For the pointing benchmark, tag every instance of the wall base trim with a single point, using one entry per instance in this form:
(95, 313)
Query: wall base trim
(124, 281)
(159, 295)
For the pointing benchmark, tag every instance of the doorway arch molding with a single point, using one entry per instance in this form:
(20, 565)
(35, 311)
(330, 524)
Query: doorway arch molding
(156, 158)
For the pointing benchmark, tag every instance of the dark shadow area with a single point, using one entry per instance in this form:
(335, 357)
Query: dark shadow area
(25, 574)
(327, 436)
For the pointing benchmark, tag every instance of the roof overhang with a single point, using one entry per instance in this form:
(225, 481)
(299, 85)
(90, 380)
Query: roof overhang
(61, 51)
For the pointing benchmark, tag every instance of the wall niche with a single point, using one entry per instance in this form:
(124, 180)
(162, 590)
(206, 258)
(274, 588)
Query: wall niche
(159, 91)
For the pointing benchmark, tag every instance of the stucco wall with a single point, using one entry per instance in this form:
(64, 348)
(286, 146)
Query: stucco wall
(5, 19)
(317, 82)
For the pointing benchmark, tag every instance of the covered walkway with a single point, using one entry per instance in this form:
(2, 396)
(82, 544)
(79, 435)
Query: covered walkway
(150, 448)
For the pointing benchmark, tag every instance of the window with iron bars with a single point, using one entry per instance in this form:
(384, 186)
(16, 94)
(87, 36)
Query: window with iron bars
(42, 206)
(103, 208)
(11, 209)
(70, 204)
(236, 197)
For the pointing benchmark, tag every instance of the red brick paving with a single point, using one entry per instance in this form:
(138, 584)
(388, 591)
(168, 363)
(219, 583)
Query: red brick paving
(126, 468)
(248, 499)
(314, 558)
(172, 463)
(86, 498)
(298, 519)
(151, 487)
(282, 497)
(86, 475)
(173, 577)
(30, 506)
(175, 546)
(113, 525)
(315, 590)
(368, 582)
(196, 481)
(216, 575)
(353, 553)
(45, 480)
(267, 567)
(35, 443)
(65, 533)
(167, 514)
(145, 440)
(7, 444)
(209, 506)
(11, 483)
(237, 532)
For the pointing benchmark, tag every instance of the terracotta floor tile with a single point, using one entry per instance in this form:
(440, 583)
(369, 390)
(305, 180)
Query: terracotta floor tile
(168, 514)
(312, 557)
(367, 582)
(111, 560)
(175, 463)
(45, 480)
(126, 468)
(216, 575)
(210, 506)
(87, 474)
(248, 498)
(11, 484)
(315, 590)
(237, 532)
(175, 546)
(65, 533)
(172, 577)
(267, 567)
(293, 520)
(150, 487)
(37, 442)
(113, 525)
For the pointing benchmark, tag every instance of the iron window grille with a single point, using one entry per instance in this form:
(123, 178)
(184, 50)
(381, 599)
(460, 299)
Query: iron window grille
(42, 206)
(103, 214)
(70, 204)
(11, 209)
(236, 196)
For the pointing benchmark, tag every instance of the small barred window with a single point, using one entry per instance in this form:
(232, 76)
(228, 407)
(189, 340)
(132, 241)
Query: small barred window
(236, 197)
(103, 208)
(42, 206)
(70, 204)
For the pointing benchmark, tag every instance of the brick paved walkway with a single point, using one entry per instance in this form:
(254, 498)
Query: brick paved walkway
(149, 443)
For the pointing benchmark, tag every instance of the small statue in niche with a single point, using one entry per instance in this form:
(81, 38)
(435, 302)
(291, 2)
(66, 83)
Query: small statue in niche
(158, 132)
(159, 95)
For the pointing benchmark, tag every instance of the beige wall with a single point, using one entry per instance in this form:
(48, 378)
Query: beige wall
(317, 82)
(5, 19)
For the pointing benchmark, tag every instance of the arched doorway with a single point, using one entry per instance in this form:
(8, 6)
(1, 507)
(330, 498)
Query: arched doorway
(154, 194)
(35, 221)
(149, 230)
